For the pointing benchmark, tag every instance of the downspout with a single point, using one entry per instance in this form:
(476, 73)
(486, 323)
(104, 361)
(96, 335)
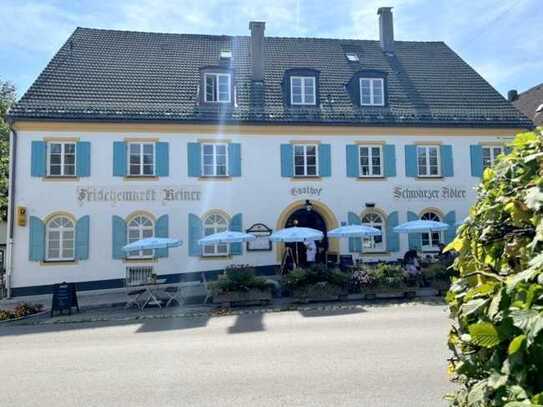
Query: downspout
(11, 204)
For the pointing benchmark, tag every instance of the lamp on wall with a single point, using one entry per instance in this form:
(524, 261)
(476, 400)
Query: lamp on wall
(370, 205)
(308, 206)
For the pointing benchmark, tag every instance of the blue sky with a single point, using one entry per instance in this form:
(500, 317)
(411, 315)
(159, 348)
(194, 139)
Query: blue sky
(501, 39)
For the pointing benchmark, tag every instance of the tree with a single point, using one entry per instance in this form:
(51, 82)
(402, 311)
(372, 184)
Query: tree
(497, 300)
(7, 98)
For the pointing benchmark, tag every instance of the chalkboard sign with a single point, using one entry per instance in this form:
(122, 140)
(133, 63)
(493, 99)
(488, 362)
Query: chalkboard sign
(64, 298)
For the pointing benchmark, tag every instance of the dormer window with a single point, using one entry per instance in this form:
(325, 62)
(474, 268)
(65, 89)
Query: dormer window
(226, 54)
(352, 57)
(218, 88)
(302, 90)
(372, 92)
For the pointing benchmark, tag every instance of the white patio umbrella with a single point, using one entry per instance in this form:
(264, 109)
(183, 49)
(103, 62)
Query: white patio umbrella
(421, 226)
(296, 234)
(226, 237)
(152, 243)
(354, 231)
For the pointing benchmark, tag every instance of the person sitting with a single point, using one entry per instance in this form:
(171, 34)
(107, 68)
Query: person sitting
(411, 262)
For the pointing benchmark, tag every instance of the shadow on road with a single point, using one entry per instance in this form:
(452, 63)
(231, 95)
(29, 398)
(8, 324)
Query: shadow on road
(248, 323)
(330, 313)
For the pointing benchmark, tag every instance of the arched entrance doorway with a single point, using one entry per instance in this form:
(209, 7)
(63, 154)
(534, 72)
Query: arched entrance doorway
(308, 219)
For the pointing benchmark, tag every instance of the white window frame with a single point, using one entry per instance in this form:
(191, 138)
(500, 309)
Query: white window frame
(141, 165)
(431, 247)
(492, 155)
(427, 147)
(381, 248)
(62, 158)
(303, 94)
(214, 145)
(217, 75)
(305, 146)
(61, 239)
(215, 247)
(140, 254)
(372, 82)
(370, 157)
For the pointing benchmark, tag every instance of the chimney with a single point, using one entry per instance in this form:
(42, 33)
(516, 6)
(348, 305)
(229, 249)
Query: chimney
(386, 29)
(257, 49)
(512, 95)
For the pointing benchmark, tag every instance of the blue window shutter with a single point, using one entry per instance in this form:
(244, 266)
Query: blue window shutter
(82, 238)
(411, 161)
(392, 238)
(447, 167)
(355, 243)
(352, 161)
(37, 239)
(162, 159)
(236, 225)
(389, 156)
(450, 219)
(325, 160)
(161, 230)
(118, 237)
(234, 159)
(476, 155)
(287, 160)
(83, 153)
(414, 239)
(194, 159)
(195, 233)
(38, 159)
(119, 158)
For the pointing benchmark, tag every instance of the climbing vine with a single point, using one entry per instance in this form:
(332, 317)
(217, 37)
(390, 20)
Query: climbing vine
(497, 299)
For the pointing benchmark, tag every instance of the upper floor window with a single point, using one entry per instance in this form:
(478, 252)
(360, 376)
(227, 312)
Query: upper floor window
(61, 159)
(215, 223)
(218, 87)
(214, 160)
(371, 161)
(490, 154)
(428, 161)
(374, 243)
(302, 90)
(140, 227)
(141, 159)
(372, 92)
(431, 240)
(305, 160)
(60, 239)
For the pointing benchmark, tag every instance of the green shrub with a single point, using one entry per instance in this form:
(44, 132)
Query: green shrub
(390, 276)
(238, 278)
(300, 278)
(497, 299)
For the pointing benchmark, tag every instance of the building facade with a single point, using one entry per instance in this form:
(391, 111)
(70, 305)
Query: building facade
(132, 135)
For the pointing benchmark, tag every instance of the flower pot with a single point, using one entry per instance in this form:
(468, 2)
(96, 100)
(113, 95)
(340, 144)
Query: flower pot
(254, 296)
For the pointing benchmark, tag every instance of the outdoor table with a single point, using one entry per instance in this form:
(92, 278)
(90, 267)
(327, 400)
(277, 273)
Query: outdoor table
(153, 291)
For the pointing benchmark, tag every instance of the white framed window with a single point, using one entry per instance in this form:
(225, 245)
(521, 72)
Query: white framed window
(141, 159)
(306, 160)
(215, 160)
(431, 240)
(490, 154)
(372, 91)
(374, 243)
(60, 239)
(61, 159)
(371, 161)
(215, 223)
(217, 87)
(140, 227)
(428, 161)
(302, 90)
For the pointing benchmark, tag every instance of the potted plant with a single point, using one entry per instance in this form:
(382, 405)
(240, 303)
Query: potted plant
(438, 275)
(239, 285)
(391, 281)
(317, 283)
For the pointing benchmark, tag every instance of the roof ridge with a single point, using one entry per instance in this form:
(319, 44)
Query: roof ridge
(533, 88)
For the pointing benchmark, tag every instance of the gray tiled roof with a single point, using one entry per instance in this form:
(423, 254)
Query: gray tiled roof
(529, 102)
(121, 75)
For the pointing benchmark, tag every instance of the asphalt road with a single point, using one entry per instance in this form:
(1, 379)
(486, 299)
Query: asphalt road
(385, 356)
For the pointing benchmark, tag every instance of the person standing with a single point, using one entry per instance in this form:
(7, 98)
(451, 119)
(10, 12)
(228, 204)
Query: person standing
(310, 252)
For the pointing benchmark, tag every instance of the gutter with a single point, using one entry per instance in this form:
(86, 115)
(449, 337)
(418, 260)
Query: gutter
(11, 205)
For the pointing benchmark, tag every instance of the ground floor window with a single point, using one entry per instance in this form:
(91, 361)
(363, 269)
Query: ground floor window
(140, 227)
(215, 223)
(374, 243)
(431, 240)
(60, 239)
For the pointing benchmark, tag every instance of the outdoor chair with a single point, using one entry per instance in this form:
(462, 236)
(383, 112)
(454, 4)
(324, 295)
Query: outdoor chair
(345, 261)
(173, 294)
(134, 277)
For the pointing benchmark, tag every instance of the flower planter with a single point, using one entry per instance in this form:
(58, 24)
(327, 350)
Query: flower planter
(251, 297)
(389, 293)
(441, 286)
(319, 292)
(35, 315)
